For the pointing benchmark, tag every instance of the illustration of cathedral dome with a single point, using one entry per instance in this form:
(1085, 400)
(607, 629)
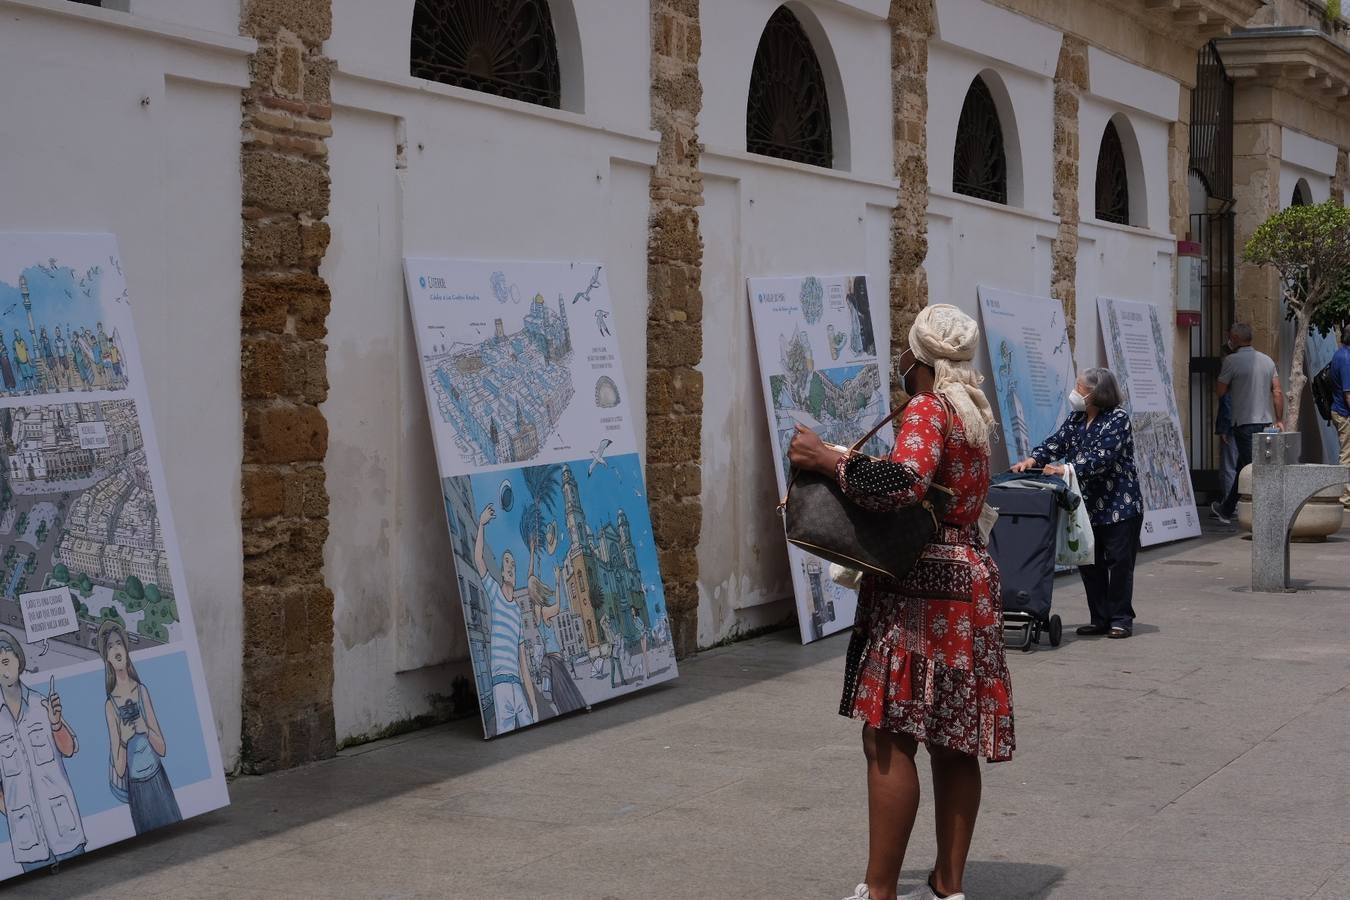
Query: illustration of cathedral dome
(539, 299)
(606, 393)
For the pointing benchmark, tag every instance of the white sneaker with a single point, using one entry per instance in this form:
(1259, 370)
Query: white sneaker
(860, 893)
(927, 893)
(1216, 513)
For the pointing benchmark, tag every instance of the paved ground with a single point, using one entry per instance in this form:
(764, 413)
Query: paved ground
(1205, 758)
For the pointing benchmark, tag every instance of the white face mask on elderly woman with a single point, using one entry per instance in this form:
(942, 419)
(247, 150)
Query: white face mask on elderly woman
(1078, 402)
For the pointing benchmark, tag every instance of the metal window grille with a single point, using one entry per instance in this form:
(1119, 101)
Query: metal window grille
(788, 113)
(1212, 124)
(980, 165)
(1113, 183)
(502, 47)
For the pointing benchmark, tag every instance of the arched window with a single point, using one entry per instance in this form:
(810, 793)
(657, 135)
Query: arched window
(1302, 194)
(1113, 182)
(502, 47)
(980, 164)
(788, 115)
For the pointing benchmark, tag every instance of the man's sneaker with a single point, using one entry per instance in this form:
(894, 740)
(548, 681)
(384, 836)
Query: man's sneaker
(927, 893)
(1216, 513)
(860, 893)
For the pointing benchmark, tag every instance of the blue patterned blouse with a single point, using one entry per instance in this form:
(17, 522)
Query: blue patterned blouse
(1102, 454)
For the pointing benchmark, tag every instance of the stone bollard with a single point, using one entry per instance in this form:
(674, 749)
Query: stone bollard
(1280, 487)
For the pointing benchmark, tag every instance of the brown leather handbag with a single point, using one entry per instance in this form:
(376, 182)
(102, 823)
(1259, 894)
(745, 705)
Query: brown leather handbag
(820, 519)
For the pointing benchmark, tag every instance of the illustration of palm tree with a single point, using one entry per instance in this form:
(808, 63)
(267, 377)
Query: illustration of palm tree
(545, 486)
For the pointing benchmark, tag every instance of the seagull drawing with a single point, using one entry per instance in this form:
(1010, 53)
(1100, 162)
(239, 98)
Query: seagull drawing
(598, 457)
(595, 283)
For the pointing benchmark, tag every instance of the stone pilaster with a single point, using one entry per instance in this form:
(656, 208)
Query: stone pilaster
(1257, 148)
(675, 313)
(1341, 180)
(1071, 79)
(288, 610)
(1179, 169)
(912, 23)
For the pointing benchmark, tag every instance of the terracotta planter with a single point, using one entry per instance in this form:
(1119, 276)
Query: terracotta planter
(1320, 517)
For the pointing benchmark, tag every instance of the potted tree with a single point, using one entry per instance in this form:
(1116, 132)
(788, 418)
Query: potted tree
(1309, 246)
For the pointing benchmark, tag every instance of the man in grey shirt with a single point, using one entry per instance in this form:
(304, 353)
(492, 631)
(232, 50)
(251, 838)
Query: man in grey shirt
(1249, 379)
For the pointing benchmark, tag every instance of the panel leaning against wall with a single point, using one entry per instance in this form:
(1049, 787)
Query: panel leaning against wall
(105, 725)
(1032, 364)
(819, 366)
(1133, 334)
(543, 486)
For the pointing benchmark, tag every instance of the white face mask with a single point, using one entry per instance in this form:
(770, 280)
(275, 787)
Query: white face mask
(1078, 402)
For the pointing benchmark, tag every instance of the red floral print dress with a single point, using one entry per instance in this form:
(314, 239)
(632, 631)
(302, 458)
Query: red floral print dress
(926, 656)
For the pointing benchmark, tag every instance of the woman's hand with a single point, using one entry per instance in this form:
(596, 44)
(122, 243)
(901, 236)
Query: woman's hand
(1054, 470)
(808, 452)
(1028, 463)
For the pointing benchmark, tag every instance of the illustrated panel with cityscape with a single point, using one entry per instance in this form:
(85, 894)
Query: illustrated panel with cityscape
(105, 725)
(61, 324)
(840, 405)
(519, 361)
(77, 510)
(1028, 344)
(1136, 351)
(558, 575)
(817, 346)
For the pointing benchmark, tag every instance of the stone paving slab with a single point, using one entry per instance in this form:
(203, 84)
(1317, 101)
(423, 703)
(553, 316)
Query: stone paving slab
(1204, 758)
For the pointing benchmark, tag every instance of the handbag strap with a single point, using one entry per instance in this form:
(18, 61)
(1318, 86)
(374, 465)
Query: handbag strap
(862, 441)
(891, 417)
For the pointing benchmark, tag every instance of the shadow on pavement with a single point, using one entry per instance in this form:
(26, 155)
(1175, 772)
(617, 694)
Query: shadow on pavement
(306, 804)
(1004, 880)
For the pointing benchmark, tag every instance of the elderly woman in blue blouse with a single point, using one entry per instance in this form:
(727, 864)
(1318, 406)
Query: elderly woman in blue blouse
(1096, 439)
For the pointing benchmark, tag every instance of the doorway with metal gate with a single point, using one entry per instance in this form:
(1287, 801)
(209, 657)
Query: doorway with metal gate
(1211, 223)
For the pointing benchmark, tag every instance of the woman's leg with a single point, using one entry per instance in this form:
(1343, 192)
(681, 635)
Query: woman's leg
(1122, 549)
(956, 794)
(1095, 579)
(892, 803)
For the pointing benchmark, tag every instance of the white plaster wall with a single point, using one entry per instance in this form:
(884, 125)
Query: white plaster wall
(1304, 152)
(766, 217)
(163, 177)
(972, 242)
(854, 50)
(1027, 121)
(212, 15)
(1134, 262)
(189, 20)
(1144, 139)
(611, 40)
(484, 178)
(1127, 264)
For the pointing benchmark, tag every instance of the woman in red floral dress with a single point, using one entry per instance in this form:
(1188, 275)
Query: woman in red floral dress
(926, 663)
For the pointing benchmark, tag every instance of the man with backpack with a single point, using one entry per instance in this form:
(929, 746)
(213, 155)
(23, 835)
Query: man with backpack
(1340, 403)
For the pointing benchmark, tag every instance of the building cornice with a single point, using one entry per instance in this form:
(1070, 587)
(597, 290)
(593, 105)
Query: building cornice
(1303, 59)
(1204, 18)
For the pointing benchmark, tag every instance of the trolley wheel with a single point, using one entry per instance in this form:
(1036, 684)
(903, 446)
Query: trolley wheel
(1056, 630)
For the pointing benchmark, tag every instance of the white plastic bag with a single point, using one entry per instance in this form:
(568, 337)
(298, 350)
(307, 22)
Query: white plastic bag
(1074, 545)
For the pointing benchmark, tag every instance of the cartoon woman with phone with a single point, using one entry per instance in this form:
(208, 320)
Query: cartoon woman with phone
(136, 769)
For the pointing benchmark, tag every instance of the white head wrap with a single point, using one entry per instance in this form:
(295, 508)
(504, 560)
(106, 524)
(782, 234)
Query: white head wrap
(947, 339)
